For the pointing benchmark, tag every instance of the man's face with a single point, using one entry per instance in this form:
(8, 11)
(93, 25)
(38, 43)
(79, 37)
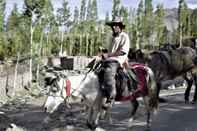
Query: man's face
(116, 29)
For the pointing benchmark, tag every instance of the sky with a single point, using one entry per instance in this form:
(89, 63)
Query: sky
(103, 5)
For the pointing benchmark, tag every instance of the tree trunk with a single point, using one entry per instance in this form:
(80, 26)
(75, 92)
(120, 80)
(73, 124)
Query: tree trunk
(15, 74)
(80, 44)
(31, 53)
(181, 36)
(87, 44)
(62, 40)
(39, 58)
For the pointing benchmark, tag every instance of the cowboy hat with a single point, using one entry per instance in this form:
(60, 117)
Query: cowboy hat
(116, 21)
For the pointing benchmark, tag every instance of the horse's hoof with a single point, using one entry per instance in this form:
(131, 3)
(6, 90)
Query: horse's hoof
(91, 126)
(68, 106)
(186, 101)
(148, 129)
(162, 100)
(193, 102)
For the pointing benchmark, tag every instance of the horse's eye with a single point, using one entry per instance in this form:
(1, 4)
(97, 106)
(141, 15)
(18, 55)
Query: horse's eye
(54, 89)
(47, 80)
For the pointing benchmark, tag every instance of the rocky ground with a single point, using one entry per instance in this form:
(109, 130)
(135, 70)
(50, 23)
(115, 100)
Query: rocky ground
(24, 113)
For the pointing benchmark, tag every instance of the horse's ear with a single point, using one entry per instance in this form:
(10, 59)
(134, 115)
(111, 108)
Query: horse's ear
(91, 63)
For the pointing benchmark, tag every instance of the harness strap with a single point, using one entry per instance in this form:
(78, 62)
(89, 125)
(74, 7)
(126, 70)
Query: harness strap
(68, 86)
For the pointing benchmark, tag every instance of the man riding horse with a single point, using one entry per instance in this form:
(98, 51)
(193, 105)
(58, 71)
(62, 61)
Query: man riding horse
(114, 58)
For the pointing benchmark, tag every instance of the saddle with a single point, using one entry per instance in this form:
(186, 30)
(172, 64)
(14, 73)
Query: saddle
(125, 82)
(129, 81)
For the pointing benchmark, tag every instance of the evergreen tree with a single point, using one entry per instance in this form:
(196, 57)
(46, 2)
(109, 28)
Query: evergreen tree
(63, 16)
(194, 23)
(2, 9)
(83, 10)
(76, 16)
(48, 16)
(148, 18)
(89, 10)
(31, 17)
(159, 24)
(94, 12)
(125, 14)
(13, 33)
(139, 26)
(14, 19)
(116, 8)
(184, 22)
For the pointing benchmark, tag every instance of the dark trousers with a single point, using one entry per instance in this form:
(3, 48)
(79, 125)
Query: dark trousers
(107, 78)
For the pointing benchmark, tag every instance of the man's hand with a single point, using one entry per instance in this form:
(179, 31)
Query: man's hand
(104, 55)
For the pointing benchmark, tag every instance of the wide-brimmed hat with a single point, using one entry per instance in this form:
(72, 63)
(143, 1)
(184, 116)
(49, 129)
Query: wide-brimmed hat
(117, 20)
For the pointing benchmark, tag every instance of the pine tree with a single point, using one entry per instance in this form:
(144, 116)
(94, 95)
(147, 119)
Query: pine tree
(139, 26)
(94, 12)
(116, 8)
(76, 16)
(83, 10)
(2, 9)
(184, 22)
(194, 23)
(125, 14)
(148, 18)
(14, 19)
(159, 24)
(63, 15)
(13, 31)
(32, 15)
(48, 16)
(63, 18)
(89, 10)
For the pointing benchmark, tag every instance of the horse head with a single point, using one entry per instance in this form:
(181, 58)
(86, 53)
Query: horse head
(55, 84)
(81, 88)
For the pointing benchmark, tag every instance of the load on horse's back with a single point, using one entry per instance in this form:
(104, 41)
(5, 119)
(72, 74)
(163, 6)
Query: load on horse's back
(169, 63)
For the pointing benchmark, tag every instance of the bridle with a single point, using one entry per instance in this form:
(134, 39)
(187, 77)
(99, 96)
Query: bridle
(61, 89)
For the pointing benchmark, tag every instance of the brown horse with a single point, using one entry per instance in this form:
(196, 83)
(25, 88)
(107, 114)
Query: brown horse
(167, 64)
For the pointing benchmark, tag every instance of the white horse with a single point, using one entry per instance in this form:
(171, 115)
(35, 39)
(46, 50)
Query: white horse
(86, 87)
(150, 101)
(69, 89)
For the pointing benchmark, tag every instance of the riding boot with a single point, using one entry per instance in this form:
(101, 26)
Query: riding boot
(132, 80)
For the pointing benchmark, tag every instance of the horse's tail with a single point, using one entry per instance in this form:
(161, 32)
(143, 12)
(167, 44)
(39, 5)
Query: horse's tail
(152, 90)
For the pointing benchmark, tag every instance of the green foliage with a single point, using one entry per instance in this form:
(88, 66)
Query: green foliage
(83, 10)
(64, 15)
(13, 20)
(76, 16)
(194, 24)
(148, 18)
(125, 14)
(139, 25)
(159, 25)
(184, 22)
(84, 33)
(116, 8)
(35, 6)
(2, 9)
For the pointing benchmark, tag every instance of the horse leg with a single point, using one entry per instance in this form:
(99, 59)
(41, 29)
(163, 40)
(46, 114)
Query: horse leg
(195, 91)
(188, 89)
(135, 105)
(148, 110)
(158, 92)
(94, 112)
(66, 101)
